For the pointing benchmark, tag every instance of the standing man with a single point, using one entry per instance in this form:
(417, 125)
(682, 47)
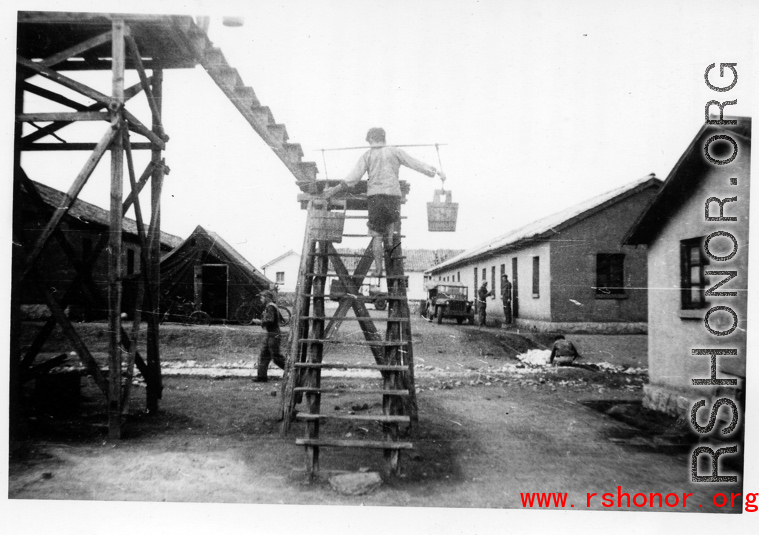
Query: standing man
(506, 298)
(270, 350)
(381, 163)
(482, 296)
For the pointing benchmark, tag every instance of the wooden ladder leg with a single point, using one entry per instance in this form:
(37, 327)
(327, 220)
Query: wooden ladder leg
(394, 261)
(298, 328)
(313, 375)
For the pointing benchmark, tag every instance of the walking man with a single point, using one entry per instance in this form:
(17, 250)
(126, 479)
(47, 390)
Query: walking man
(381, 163)
(506, 298)
(482, 295)
(270, 350)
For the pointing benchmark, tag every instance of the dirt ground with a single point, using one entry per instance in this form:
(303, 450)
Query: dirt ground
(490, 428)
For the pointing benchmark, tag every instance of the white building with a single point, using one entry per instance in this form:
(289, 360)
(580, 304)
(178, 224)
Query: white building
(283, 270)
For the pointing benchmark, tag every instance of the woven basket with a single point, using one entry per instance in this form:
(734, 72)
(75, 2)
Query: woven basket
(441, 216)
(327, 225)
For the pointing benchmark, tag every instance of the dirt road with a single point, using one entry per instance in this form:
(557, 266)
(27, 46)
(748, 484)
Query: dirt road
(490, 428)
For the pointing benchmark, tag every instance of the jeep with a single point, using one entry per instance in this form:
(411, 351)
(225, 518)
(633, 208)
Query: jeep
(447, 300)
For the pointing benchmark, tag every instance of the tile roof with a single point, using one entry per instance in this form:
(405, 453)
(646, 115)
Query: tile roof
(417, 260)
(549, 226)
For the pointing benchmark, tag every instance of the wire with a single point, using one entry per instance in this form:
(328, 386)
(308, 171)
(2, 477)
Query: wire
(366, 147)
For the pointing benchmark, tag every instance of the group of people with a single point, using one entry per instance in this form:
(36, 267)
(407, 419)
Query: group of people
(482, 295)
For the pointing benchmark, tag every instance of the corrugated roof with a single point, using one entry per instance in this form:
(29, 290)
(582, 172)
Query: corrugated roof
(94, 214)
(550, 225)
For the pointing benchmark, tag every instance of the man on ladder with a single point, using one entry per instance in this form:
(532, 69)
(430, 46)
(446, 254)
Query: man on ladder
(382, 163)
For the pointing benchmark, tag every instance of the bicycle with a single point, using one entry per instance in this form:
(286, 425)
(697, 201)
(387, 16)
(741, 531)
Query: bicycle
(183, 311)
(247, 312)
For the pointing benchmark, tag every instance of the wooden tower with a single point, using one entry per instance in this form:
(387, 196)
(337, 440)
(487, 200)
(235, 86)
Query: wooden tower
(386, 340)
(49, 44)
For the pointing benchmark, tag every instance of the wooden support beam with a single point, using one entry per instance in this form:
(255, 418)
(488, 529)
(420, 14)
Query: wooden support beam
(137, 313)
(135, 53)
(152, 373)
(76, 50)
(65, 81)
(63, 116)
(83, 274)
(15, 364)
(55, 97)
(136, 126)
(51, 128)
(359, 308)
(68, 330)
(69, 199)
(45, 147)
(115, 240)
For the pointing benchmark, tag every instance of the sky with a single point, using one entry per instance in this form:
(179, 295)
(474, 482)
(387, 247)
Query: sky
(536, 105)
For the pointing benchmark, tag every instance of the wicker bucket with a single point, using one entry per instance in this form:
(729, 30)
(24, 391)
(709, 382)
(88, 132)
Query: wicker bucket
(441, 216)
(328, 225)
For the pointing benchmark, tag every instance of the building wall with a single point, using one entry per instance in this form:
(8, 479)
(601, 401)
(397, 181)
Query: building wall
(289, 265)
(56, 271)
(415, 291)
(673, 332)
(530, 307)
(574, 256)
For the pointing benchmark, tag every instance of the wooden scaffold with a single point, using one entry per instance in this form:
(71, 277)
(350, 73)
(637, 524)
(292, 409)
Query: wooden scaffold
(48, 45)
(313, 331)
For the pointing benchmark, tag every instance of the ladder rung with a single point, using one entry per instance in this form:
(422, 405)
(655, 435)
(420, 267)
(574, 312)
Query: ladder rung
(385, 418)
(366, 217)
(352, 391)
(362, 298)
(332, 366)
(353, 318)
(351, 255)
(367, 276)
(364, 236)
(337, 443)
(370, 343)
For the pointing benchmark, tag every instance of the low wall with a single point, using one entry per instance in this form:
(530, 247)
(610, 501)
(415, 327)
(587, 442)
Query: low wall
(579, 327)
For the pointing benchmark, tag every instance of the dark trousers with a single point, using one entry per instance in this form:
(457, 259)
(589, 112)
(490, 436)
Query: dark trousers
(507, 312)
(270, 352)
(482, 313)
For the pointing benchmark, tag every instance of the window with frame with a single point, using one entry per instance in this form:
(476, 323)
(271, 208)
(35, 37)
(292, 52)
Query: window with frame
(610, 274)
(693, 262)
(536, 276)
(280, 277)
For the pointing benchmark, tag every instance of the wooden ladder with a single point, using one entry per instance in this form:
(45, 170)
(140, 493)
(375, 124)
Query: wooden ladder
(312, 331)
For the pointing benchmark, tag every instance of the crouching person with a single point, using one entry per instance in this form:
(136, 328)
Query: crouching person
(563, 352)
(270, 350)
